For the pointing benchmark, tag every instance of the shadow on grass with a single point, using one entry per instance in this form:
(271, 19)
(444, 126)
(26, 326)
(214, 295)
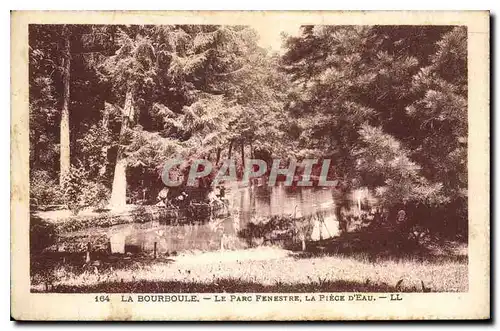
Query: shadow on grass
(384, 256)
(45, 263)
(228, 286)
(361, 246)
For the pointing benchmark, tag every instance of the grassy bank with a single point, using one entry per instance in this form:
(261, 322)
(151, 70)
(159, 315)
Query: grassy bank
(263, 269)
(65, 221)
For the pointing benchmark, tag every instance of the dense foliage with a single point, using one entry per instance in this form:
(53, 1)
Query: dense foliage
(388, 104)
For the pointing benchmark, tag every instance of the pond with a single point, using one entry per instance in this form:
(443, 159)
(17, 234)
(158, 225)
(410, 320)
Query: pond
(245, 204)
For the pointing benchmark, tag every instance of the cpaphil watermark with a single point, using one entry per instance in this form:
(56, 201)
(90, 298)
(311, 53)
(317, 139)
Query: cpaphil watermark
(297, 174)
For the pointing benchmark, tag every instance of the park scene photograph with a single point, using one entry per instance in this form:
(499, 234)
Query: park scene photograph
(268, 158)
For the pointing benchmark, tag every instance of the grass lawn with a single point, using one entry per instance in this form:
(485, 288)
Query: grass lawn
(263, 269)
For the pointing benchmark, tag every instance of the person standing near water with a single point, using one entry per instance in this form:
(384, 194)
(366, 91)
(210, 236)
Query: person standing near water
(162, 197)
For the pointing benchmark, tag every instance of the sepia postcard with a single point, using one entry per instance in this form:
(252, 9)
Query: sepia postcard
(270, 166)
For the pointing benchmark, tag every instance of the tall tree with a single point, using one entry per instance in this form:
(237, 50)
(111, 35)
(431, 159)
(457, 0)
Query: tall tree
(352, 85)
(63, 62)
(129, 66)
(190, 86)
(65, 161)
(440, 146)
(119, 188)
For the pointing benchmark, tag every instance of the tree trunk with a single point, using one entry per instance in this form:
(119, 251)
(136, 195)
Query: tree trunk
(338, 215)
(339, 206)
(105, 148)
(65, 140)
(243, 154)
(230, 149)
(119, 188)
(217, 158)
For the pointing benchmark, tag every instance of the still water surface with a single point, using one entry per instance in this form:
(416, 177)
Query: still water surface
(245, 204)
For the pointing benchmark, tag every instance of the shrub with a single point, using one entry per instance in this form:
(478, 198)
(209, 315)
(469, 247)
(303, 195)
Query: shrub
(94, 194)
(42, 234)
(81, 192)
(142, 214)
(44, 189)
(286, 229)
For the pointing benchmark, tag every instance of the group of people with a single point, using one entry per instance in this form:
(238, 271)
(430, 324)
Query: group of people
(165, 198)
(168, 198)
